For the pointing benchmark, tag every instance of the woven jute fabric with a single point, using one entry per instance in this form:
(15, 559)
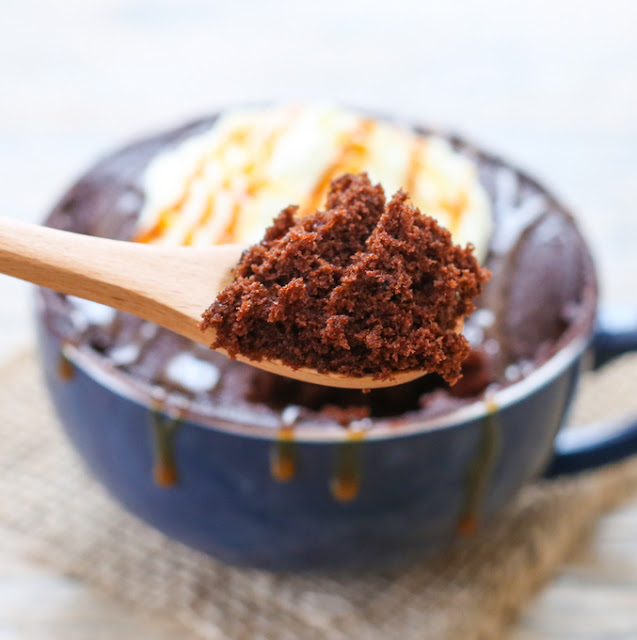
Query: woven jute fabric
(51, 510)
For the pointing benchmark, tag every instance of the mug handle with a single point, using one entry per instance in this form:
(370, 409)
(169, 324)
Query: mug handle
(601, 443)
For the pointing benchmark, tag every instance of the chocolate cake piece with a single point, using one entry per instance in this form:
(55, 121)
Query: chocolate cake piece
(364, 287)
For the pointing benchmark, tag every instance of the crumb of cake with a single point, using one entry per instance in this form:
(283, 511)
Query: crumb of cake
(363, 288)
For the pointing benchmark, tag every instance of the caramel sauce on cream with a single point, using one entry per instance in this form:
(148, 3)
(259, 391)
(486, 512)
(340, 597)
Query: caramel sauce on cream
(349, 158)
(227, 184)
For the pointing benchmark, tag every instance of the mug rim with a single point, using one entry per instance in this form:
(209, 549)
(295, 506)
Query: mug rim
(382, 428)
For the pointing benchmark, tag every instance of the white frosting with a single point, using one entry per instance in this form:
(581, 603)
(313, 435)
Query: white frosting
(228, 183)
(86, 312)
(124, 355)
(191, 373)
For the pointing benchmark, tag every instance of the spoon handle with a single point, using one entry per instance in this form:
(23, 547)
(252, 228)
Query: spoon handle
(154, 283)
(85, 266)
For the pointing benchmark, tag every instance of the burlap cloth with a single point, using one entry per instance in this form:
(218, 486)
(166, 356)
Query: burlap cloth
(52, 511)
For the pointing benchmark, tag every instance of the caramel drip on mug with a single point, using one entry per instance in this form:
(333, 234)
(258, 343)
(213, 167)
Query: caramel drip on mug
(480, 470)
(164, 465)
(346, 481)
(283, 459)
(65, 368)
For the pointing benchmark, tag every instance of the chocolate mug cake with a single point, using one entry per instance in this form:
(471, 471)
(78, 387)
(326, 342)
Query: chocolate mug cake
(223, 179)
(268, 471)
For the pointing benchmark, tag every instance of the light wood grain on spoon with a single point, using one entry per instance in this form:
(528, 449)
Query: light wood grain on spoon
(170, 286)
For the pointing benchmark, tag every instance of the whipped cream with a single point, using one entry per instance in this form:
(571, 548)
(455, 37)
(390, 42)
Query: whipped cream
(228, 183)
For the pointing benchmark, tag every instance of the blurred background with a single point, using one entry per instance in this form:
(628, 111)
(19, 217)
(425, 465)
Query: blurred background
(550, 84)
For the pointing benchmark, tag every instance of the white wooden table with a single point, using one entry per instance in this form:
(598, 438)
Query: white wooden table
(551, 84)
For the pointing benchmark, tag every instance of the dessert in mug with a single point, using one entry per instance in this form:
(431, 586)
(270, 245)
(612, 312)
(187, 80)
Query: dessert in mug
(225, 178)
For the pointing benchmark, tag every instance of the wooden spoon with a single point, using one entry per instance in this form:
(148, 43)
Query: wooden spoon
(170, 286)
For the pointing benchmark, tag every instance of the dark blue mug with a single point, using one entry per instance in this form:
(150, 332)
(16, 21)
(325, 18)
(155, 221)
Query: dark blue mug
(258, 497)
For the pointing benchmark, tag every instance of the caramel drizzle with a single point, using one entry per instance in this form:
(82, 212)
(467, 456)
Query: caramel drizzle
(168, 215)
(414, 167)
(228, 233)
(164, 462)
(346, 482)
(203, 220)
(65, 368)
(480, 470)
(455, 208)
(417, 164)
(255, 182)
(349, 158)
(283, 459)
